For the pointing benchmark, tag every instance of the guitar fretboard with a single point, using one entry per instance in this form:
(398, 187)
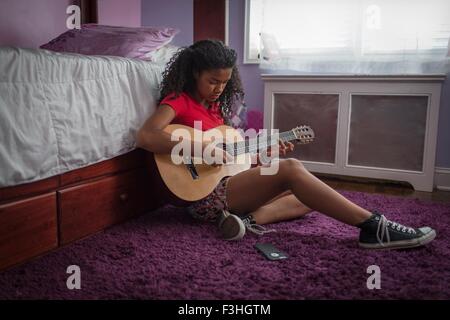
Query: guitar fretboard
(259, 143)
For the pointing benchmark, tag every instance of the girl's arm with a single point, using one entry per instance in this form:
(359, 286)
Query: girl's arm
(151, 136)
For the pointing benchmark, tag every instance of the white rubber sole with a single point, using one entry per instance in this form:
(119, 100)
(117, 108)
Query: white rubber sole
(241, 233)
(236, 219)
(405, 244)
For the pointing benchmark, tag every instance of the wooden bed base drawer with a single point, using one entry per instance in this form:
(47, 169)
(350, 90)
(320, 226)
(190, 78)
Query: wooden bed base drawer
(91, 207)
(28, 228)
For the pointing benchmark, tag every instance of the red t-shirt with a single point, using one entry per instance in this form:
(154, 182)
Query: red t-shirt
(188, 110)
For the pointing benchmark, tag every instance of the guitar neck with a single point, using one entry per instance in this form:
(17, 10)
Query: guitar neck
(257, 144)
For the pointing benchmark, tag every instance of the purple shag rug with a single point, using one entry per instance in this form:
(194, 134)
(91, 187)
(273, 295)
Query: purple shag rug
(165, 254)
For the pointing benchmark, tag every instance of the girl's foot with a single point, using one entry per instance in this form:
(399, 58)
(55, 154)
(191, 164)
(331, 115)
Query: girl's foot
(377, 232)
(232, 227)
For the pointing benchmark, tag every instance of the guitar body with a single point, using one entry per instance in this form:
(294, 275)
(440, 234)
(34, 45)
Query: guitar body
(178, 177)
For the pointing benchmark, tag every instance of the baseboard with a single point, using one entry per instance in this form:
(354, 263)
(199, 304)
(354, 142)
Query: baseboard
(442, 178)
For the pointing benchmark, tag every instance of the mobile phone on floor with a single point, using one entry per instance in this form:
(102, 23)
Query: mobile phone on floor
(269, 251)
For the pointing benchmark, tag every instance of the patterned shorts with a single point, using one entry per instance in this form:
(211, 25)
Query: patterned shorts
(207, 209)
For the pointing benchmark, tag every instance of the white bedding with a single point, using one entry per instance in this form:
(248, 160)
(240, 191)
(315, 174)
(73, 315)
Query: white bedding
(60, 112)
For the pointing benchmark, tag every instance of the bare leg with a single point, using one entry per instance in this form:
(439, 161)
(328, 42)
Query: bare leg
(286, 207)
(243, 197)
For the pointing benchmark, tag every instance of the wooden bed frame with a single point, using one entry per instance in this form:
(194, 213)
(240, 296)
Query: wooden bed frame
(41, 216)
(44, 215)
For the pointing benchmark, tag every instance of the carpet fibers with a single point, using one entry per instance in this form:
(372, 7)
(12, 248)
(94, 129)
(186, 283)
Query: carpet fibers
(165, 254)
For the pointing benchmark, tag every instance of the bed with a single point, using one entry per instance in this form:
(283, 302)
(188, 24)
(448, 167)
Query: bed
(68, 158)
(72, 184)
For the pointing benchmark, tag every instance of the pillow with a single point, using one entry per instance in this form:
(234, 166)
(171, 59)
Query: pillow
(94, 39)
(162, 55)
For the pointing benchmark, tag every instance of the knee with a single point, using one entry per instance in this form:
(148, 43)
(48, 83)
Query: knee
(292, 167)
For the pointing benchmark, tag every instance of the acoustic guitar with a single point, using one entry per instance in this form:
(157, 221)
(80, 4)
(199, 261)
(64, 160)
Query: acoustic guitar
(192, 179)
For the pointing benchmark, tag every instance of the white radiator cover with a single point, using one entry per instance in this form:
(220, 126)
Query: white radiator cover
(382, 127)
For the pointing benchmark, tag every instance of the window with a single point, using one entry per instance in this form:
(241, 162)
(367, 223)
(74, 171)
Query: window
(253, 26)
(346, 29)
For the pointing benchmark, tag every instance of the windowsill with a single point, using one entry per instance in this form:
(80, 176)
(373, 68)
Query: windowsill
(354, 77)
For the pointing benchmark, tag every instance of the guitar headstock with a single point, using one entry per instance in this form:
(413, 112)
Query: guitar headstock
(303, 134)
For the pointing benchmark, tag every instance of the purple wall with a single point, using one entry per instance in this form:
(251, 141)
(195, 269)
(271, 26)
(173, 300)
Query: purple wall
(171, 13)
(120, 13)
(29, 24)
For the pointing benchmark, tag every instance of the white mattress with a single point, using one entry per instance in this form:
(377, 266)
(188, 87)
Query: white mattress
(60, 112)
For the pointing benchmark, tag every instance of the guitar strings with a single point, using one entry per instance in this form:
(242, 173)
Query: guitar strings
(252, 145)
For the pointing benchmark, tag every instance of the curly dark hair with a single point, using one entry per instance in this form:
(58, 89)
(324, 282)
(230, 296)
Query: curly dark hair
(203, 55)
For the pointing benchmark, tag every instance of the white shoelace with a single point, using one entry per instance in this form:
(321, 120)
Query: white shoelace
(257, 229)
(383, 228)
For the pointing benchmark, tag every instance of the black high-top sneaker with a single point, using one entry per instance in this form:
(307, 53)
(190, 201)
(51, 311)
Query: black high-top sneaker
(377, 232)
